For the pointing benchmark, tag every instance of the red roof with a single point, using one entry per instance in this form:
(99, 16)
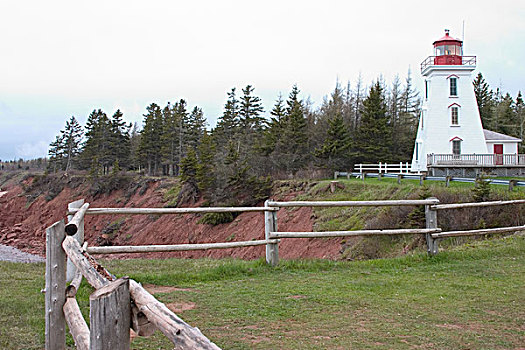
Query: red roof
(448, 38)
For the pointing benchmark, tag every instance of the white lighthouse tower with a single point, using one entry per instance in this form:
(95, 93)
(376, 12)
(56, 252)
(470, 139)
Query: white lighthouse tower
(449, 123)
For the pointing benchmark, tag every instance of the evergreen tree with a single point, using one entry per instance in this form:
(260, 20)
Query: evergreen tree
(150, 147)
(291, 150)
(274, 127)
(205, 173)
(484, 99)
(335, 148)
(373, 138)
(56, 154)
(228, 123)
(97, 150)
(169, 139)
(249, 111)
(182, 117)
(72, 137)
(120, 139)
(196, 126)
(504, 114)
(519, 111)
(134, 140)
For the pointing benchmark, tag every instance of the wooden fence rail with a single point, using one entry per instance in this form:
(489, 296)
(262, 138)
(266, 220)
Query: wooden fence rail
(63, 242)
(109, 329)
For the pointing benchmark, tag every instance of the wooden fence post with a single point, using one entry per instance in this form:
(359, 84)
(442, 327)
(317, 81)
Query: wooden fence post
(79, 236)
(336, 174)
(399, 177)
(270, 225)
(431, 222)
(55, 332)
(512, 183)
(421, 180)
(110, 316)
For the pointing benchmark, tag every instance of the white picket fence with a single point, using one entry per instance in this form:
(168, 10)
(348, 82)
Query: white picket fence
(384, 168)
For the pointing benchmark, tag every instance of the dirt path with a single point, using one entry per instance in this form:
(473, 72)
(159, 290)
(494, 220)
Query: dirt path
(11, 254)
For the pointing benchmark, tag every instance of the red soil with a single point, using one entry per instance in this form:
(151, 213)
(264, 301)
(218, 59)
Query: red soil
(23, 226)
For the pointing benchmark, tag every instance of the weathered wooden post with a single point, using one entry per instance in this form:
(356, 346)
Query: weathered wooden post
(399, 177)
(512, 183)
(431, 222)
(109, 316)
(379, 176)
(270, 225)
(336, 174)
(421, 180)
(363, 175)
(55, 332)
(79, 236)
(447, 181)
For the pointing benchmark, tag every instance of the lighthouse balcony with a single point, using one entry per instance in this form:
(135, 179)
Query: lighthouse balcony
(448, 60)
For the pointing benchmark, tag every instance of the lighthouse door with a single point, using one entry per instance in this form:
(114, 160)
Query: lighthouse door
(498, 154)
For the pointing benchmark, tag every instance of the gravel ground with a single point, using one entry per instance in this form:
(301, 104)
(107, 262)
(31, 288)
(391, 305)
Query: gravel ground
(8, 253)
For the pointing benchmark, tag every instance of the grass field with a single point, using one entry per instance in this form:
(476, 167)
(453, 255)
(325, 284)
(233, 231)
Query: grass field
(470, 297)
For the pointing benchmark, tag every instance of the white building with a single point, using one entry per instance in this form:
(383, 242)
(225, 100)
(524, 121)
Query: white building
(450, 137)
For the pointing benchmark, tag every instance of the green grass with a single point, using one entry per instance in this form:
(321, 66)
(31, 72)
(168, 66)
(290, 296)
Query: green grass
(470, 297)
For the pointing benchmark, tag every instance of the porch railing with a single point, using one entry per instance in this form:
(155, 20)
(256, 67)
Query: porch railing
(488, 160)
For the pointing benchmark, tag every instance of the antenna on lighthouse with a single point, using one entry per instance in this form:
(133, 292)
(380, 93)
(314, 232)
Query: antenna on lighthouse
(463, 36)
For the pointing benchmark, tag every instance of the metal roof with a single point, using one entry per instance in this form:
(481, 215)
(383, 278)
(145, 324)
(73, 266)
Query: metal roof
(448, 38)
(496, 136)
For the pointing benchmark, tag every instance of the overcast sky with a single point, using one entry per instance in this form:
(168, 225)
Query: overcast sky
(64, 58)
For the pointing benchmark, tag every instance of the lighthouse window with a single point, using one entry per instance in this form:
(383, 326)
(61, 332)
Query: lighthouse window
(454, 116)
(456, 147)
(453, 87)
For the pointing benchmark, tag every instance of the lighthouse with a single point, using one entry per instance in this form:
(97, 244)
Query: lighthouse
(449, 123)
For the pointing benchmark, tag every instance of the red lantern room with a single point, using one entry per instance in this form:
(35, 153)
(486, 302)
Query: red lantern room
(448, 51)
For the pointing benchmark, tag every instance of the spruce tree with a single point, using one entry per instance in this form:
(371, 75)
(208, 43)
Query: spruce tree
(169, 139)
(274, 127)
(120, 139)
(72, 137)
(373, 138)
(519, 110)
(150, 147)
(205, 173)
(196, 126)
(250, 110)
(335, 148)
(228, 124)
(291, 151)
(56, 154)
(97, 148)
(484, 98)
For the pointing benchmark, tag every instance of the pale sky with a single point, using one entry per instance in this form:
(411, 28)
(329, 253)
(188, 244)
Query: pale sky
(64, 58)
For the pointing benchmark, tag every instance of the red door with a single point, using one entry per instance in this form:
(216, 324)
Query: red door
(498, 153)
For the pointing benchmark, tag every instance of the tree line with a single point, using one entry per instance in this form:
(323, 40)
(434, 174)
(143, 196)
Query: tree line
(351, 125)
(249, 145)
(500, 112)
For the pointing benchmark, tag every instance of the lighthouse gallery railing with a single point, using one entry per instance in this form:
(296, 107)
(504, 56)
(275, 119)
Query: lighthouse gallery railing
(432, 60)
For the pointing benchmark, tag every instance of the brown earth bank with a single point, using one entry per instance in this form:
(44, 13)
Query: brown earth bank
(26, 212)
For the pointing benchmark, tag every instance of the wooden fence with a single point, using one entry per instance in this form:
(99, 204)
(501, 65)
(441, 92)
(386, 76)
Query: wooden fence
(64, 242)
